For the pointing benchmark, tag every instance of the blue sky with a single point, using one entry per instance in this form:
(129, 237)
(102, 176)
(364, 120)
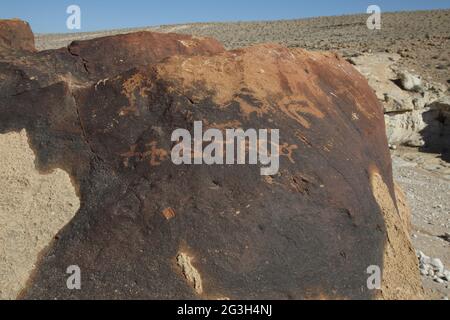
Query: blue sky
(50, 15)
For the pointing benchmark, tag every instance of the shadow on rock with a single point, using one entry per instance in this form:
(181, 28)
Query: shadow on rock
(437, 132)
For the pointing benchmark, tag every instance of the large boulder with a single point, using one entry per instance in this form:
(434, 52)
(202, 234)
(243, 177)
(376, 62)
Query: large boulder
(15, 35)
(148, 228)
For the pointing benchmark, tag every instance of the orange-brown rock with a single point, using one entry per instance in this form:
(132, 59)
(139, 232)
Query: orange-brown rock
(116, 54)
(15, 35)
(90, 61)
(150, 229)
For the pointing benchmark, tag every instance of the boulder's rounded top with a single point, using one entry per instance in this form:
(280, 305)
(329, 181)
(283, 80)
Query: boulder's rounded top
(16, 34)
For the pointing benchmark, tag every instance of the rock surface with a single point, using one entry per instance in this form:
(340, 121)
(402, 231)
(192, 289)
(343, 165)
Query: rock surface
(415, 111)
(15, 35)
(410, 82)
(112, 55)
(377, 68)
(147, 228)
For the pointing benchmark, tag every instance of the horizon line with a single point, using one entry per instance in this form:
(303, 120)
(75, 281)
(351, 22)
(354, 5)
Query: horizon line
(220, 22)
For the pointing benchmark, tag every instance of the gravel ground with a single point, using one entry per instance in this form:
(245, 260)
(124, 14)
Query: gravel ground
(425, 179)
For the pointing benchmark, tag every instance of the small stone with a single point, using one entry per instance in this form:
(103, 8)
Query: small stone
(438, 280)
(437, 265)
(410, 82)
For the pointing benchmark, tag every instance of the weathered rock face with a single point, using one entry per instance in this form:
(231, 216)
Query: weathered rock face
(377, 68)
(406, 128)
(112, 55)
(15, 35)
(93, 60)
(148, 228)
(406, 99)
